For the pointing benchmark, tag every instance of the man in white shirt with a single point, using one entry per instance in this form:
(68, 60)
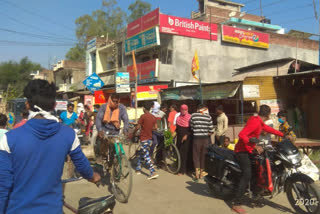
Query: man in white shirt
(222, 126)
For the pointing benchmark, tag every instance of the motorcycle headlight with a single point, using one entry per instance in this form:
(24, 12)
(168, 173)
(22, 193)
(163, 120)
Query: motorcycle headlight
(294, 159)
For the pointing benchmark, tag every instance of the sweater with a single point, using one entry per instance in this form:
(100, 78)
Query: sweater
(201, 125)
(31, 164)
(252, 129)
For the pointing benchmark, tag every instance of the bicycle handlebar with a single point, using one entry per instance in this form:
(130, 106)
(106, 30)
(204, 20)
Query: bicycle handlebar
(71, 180)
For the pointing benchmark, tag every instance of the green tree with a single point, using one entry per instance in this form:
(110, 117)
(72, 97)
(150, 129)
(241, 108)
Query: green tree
(77, 53)
(16, 75)
(138, 8)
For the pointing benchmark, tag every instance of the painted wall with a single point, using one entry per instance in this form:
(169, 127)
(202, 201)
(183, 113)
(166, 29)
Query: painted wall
(219, 59)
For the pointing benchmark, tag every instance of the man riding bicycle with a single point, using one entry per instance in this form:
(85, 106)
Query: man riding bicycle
(109, 119)
(32, 157)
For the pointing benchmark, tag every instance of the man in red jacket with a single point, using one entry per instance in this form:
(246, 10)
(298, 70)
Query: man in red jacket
(248, 139)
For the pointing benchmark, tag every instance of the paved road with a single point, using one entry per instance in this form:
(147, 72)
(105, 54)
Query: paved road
(169, 194)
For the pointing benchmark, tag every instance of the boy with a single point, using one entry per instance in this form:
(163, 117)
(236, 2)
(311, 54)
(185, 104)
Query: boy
(3, 124)
(147, 123)
(227, 144)
(285, 128)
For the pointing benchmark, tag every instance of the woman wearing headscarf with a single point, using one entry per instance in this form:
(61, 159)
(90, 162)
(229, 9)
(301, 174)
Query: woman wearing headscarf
(183, 137)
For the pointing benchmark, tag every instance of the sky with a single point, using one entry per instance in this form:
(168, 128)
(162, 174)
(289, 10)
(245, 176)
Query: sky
(44, 30)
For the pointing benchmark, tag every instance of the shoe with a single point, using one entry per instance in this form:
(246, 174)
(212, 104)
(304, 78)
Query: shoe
(152, 176)
(138, 172)
(238, 209)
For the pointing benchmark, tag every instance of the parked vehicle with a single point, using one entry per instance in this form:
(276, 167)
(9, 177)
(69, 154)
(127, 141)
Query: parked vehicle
(276, 172)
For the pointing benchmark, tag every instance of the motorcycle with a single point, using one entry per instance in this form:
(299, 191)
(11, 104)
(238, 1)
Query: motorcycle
(274, 171)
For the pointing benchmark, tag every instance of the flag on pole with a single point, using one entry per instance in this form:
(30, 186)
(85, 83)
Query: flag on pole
(134, 65)
(195, 65)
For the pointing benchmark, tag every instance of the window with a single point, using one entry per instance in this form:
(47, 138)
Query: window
(166, 56)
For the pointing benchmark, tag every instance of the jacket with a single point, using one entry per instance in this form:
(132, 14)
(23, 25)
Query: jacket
(31, 164)
(252, 129)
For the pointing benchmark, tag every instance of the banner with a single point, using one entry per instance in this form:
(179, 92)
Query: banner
(101, 97)
(122, 82)
(143, 23)
(143, 40)
(147, 71)
(149, 92)
(245, 37)
(88, 100)
(93, 82)
(188, 27)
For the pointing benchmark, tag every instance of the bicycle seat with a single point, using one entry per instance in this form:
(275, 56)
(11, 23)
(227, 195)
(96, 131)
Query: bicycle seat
(96, 205)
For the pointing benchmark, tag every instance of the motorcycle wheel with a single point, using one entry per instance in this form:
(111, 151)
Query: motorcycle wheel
(304, 196)
(218, 191)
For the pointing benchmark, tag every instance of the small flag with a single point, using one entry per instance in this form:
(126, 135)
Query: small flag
(134, 65)
(195, 65)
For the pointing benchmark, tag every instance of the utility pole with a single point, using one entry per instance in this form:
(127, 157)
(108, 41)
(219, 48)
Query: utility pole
(317, 17)
(261, 12)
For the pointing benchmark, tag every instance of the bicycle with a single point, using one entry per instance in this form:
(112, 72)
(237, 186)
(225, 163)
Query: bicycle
(118, 163)
(103, 205)
(167, 154)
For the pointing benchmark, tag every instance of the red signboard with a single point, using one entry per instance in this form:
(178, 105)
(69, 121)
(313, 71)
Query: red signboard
(151, 88)
(143, 23)
(188, 27)
(147, 71)
(245, 37)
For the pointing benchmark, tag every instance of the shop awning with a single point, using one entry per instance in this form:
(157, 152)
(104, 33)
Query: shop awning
(216, 91)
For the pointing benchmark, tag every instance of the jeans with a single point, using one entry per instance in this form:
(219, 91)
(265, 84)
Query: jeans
(244, 160)
(144, 154)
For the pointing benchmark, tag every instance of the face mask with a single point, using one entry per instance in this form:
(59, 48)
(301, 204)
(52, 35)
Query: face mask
(280, 120)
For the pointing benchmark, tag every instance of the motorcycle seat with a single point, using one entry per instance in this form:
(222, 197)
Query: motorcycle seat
(96, 205)
(222, 153)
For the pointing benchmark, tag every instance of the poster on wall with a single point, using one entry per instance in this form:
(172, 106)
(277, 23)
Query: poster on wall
(122, 82)
(245, 37)
(251, 91)
(275, 105)
(88, 100)
(149, 92)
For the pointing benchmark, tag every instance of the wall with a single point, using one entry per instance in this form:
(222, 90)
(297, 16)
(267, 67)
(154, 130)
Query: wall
(219, 59)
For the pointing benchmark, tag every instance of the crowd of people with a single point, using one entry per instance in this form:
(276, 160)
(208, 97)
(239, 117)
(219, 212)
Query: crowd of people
(39, 144)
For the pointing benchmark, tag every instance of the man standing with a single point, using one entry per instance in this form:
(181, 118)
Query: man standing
(248, 139)
(147, 123)
(32, 157)
(3, 124)
(109, 120)
(202, 127)
(69, 117)
(222, 126)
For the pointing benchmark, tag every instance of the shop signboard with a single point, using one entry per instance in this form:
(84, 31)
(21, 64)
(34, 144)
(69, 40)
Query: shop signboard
(149, 92)
(122, 82)
(143, 40)
(147, 71)
(91, 45)
(188, 27)
(101, 96)
(93, 82)
(88, 100)
(143, 23)
(61, 105)
(251, 91)
(245, 37)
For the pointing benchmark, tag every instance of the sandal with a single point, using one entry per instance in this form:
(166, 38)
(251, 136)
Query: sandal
(239, 210)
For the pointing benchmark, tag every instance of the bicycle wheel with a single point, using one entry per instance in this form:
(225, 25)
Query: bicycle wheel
(121, 178)
(133, 147)
(172, 160)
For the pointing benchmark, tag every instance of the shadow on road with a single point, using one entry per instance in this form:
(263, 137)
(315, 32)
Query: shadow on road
(198, 188)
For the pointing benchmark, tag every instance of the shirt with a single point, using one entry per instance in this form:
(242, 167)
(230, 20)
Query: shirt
(201, 125)
(230, 146)
(21, 123)
(147, 122)
(123, 116)
(222, 125)
(171, 121)
(252, 129)
(2, 132)
(68, 121)
(286, 129)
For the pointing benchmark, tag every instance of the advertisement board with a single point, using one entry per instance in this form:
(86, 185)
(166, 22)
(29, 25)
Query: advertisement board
(88, 100)
(245, 37)
(147, 71)
(122, 82)
(144, 23)
(91, 45)
(251, 91)
(149, 92)
(143, 40)
(188, 27)
(93, 82)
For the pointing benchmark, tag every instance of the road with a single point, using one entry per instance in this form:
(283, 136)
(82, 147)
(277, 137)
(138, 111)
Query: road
(169, 194)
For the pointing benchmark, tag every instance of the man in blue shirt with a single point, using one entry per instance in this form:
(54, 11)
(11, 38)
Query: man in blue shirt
(32, 157)
(69, 117)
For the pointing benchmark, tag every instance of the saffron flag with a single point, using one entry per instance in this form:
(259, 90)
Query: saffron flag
(135, 70)
(195, 65)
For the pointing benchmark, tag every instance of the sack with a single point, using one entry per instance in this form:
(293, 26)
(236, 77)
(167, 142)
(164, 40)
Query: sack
(264, 174)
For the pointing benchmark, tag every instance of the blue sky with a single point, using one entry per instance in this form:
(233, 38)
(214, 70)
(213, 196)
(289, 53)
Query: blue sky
(55, 20)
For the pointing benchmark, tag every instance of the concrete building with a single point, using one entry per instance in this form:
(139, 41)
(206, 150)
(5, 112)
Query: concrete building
(68, 75)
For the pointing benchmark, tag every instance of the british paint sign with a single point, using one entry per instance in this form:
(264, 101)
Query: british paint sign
(188, 27)
(245, 37)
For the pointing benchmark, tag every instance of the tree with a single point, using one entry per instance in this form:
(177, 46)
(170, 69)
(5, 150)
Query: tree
(77, 53)
(17, 75)
(138, 8)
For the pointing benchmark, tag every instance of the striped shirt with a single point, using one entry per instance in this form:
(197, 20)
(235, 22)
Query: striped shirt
(201, 125)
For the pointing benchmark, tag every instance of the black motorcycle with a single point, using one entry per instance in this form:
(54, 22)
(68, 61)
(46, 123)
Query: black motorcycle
(274, 171)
